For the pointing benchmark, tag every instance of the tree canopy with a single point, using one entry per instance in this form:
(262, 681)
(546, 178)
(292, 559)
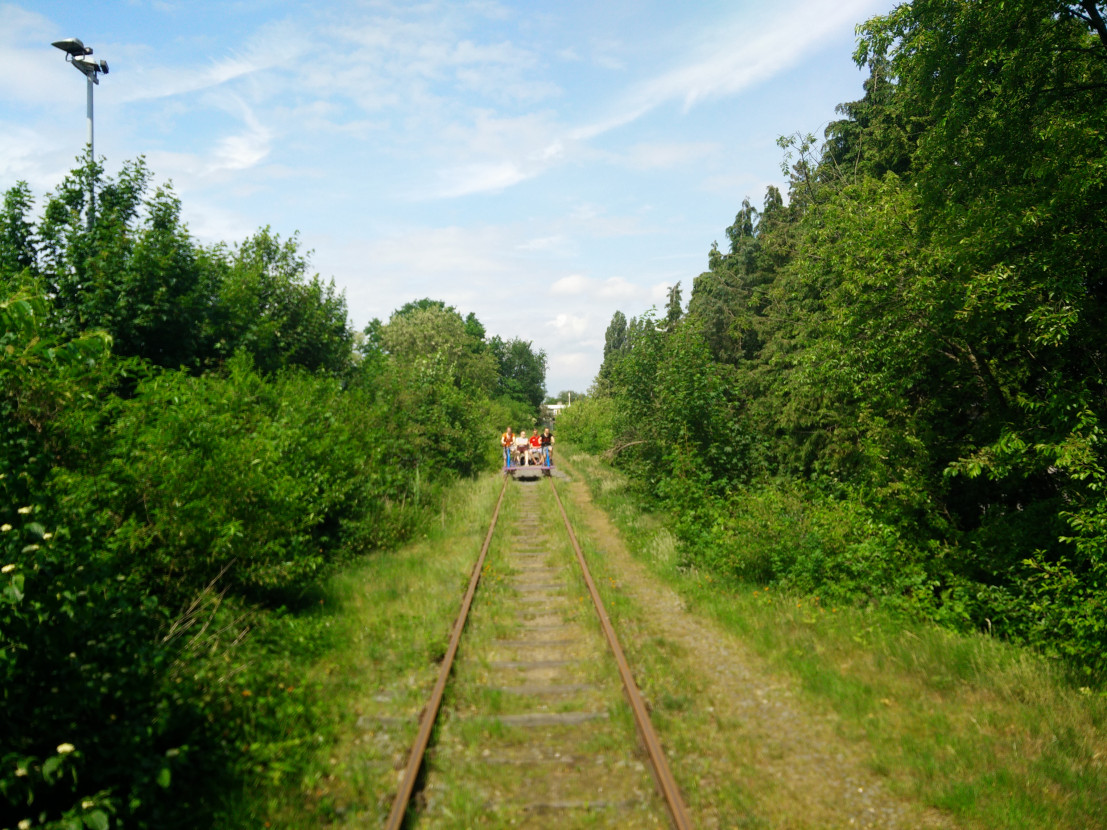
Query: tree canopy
(916, 331)
(193, 439)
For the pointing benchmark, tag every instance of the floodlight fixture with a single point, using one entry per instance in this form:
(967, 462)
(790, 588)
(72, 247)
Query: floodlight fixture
(77, 54)
(73, 47)
(88, 66)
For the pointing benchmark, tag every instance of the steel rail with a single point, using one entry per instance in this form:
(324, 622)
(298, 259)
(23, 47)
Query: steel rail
(658, 763)
(430, 713)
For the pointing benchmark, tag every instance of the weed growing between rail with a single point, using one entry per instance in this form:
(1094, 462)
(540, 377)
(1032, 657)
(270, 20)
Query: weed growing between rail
(711, 780)
(991, 733)
(519, 772)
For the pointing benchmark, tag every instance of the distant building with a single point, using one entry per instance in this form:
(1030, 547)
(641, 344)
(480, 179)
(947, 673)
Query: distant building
(550, 410)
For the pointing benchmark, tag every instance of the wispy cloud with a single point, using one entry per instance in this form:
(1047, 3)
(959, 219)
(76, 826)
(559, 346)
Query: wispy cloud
(731, 60)
(617, 288)
(480, 178)
(33, 71)
(245, 149)
(658, 155)
(578, 285)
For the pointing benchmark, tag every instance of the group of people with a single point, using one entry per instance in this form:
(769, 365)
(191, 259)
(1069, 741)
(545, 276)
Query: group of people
(521, 451)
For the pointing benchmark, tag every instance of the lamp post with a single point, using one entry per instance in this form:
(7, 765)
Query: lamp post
(77, 54)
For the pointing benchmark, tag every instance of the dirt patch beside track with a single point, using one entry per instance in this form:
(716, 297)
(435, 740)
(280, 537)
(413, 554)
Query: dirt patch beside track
(745, 749)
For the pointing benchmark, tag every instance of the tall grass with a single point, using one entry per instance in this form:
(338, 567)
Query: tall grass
(387, 620)
(993, 733)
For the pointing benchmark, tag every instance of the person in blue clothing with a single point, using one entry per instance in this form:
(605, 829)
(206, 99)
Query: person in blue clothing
(547, 445)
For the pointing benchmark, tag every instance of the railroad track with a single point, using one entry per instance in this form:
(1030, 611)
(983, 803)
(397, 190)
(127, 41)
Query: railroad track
(536, 718)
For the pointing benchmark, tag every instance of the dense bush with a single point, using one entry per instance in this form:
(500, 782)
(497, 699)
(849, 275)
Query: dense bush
(189, 443)
(912, 341)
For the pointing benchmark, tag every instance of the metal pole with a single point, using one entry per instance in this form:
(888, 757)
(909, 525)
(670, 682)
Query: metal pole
(92, 161)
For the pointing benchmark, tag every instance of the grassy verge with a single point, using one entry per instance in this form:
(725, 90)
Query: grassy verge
(382, 627)
(990, 733)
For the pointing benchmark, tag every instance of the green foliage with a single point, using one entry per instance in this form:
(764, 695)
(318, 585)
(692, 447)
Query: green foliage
(79, 659)
(132, 273)
(17, 243)
(665, 407)
(188, 446)
(917, 334)
(522, 371)
(422, 336)
(269, 306)
(798, 538)
(589, 424)
(137, 273)
(146, 530)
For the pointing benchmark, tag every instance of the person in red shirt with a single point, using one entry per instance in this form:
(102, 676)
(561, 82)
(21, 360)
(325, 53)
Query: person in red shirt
(535, 446)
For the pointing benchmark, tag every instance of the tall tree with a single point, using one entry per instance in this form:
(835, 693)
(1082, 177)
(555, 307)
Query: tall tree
(17, 245)
(436, 333)
(673, 309)
(522, 370)
(270, 306)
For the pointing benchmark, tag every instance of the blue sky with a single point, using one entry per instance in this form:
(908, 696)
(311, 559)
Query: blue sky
(540, 164)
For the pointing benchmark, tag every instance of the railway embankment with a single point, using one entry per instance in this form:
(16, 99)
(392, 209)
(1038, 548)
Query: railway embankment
(773, 711)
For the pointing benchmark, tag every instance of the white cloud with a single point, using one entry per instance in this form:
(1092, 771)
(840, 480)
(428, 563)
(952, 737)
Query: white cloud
(275, 48)
(211, 223)
(401, 261)
(480, 178)
(498, 152)
(35, 72)
(572, 364)
(554, 244)
(246, 149)
(659, 293)
(571, 286)
(657, 155)
(572, 326)
(613, 288)
(30, 155)
(718, 67)
(617, 288)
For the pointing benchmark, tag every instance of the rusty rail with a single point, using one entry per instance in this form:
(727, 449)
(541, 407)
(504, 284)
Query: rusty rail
(659, 765)
(430, 713)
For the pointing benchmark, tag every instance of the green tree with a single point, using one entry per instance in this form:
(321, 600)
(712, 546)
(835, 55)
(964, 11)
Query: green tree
(268, 305)
(435, 333)
(17, 233)
(673, 309)
(522, 370)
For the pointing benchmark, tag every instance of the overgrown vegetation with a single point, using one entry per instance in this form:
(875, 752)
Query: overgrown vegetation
(891, 388)
(193, 438)
(991, 734)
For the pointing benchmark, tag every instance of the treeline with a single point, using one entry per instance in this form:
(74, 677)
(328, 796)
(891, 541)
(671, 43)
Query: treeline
(892, 386)
(191, 436)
